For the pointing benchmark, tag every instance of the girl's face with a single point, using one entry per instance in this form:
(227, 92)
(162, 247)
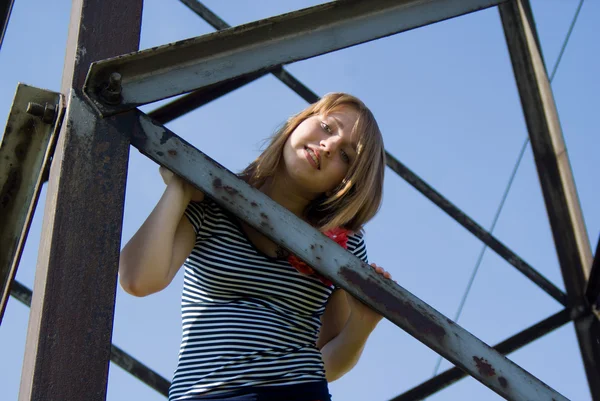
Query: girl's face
(319, 152)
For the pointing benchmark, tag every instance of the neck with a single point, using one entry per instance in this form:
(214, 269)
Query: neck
(283, 192)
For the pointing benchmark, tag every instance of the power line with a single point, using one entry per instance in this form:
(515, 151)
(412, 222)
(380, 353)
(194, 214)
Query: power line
(509, 185)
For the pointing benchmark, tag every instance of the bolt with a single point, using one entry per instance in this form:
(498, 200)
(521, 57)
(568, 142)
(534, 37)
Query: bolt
(111, 92)
(46, 112)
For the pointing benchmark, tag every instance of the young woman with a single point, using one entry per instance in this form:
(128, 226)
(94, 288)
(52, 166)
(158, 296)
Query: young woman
(259, 324)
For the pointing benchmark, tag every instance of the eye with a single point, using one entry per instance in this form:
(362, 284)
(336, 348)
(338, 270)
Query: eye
(345, 157)
(326, 127)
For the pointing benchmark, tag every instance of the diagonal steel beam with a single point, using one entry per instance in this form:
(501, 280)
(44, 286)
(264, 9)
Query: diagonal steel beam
(184, 66)
(117, 356)
(475, 229)
(506, 347)
(5, 10)
(198, 98)
(592, 291)
(392, 301)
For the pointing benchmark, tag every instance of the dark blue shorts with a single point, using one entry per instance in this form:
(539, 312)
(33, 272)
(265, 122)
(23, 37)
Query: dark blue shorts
(317, 391)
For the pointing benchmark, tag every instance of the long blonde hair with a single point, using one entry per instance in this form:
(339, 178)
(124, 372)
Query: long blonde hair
(358, 197)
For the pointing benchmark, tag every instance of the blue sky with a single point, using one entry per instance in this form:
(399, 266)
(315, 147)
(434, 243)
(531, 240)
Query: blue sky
(447, 103)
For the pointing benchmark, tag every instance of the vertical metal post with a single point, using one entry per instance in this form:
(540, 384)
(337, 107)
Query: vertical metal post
(70, 325)
(556, 178)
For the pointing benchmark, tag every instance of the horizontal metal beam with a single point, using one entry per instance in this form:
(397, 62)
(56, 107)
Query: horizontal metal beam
(391, 300)
(475, 229)
(507, 346)
(117, 356)
(184, 66)
(25, 152)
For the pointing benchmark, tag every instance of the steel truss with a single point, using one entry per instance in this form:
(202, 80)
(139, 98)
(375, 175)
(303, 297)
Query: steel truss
(98, 122)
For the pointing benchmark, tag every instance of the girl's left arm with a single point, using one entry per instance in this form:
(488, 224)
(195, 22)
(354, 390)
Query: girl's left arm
(346, 325)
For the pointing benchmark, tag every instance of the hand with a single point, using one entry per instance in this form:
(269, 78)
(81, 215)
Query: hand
(362, 312)
(168, 176)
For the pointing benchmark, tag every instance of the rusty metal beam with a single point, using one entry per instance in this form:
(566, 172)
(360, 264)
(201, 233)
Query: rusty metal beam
(5, 10)
(198, 98)
(556, 178)
(68, 343)
(506, 347)
(25, 151)
(184, 66)
(117, 356)
(392, 301)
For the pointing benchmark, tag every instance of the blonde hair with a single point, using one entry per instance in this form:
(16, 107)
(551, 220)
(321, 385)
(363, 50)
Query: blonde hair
(358, 197)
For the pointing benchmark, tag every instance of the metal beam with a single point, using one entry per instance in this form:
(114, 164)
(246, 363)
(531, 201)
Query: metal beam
(392, 301)
(5, 10)
(592, 291)
(192, 101)
(198, 98)
(506, 347)
(475, 229)
(68, 343)
(25, 151)
(117, 356)
(554, 171)
(184, 66)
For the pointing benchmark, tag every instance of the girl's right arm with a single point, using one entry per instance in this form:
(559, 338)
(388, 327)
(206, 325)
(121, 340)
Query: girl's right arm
(155, 253)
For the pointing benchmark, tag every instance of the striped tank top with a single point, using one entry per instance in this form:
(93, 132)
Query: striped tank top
(248, 320)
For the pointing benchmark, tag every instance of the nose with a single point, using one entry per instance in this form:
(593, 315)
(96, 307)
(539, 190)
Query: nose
(329, 145)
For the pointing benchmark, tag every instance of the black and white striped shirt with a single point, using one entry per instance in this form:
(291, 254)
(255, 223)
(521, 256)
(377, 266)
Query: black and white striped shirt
(248, 320)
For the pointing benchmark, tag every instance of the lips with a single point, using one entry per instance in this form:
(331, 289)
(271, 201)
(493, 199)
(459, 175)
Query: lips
(313, 158)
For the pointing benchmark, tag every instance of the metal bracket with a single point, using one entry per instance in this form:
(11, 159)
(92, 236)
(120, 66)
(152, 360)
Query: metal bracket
(25, 151)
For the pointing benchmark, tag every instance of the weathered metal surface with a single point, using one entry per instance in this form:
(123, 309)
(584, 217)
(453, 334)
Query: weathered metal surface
(117, 355)
(475, 229)
(507, 346)
(343, 268)
(25, 151)
(187, 65)
(68, 340)
(5, 10)
(554, 171)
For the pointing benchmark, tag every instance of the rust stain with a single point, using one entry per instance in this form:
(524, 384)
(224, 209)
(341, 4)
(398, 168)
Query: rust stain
(231, 191)
(503, 381)
(172, 152)
(422, 322)
(484, 367)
